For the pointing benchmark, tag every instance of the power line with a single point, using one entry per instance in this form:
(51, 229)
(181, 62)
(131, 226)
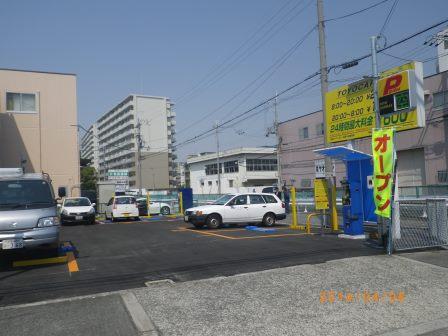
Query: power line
(357, 12)
(317, 73)
(393, 44)
(388, 17)
(216, 67)
(273, 68)
(253, 47)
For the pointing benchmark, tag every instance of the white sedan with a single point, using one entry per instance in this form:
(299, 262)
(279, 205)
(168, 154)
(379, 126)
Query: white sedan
(77, 209)
(238, 208)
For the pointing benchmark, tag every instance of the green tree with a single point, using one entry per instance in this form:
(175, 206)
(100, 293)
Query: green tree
(88, 178)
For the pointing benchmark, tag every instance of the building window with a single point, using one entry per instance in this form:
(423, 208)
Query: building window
(230, 183)
(21, 102)
(231, 167)
(320, 129)
(211, 169)
(261, 164)
(303, 133)
(210, 183)
(442, 176)
(445, 44)
(440, 98)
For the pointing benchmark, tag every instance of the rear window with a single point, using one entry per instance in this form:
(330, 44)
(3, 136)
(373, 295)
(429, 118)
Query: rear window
(256, 199)
(270, 199)
(125, 200)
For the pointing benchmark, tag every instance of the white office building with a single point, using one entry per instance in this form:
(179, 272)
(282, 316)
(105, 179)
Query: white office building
(242, 170)
(116, 135)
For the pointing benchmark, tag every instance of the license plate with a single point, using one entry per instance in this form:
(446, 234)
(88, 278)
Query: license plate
(126, 215)
(78, 217)
(186, 218)
(9, 244)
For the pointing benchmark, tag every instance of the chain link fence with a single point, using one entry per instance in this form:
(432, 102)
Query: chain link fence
(420, 223)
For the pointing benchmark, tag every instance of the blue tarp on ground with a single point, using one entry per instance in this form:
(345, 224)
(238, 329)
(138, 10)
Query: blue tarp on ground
(259, 229)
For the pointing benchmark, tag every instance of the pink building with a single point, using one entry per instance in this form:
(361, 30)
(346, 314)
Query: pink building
(422, 153)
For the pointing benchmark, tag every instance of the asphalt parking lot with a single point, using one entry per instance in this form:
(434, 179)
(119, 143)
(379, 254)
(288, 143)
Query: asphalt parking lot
(115, 256)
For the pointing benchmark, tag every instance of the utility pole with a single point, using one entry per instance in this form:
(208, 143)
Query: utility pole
(217, 157)
(279, 143)
(331, 182)
(139, 156)
(373, 46)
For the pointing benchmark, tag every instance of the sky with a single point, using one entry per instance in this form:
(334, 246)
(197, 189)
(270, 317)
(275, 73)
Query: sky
(213, 59)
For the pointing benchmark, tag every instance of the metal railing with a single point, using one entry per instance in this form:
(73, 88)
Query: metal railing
(420, 223)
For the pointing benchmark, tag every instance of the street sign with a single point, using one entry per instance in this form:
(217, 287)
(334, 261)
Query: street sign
(321, 196)
(319, 168)
(350, 109)
(117, 174)
(401, 97)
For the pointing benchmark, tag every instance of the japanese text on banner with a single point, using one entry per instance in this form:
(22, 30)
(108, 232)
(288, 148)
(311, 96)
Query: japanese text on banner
(383, 170)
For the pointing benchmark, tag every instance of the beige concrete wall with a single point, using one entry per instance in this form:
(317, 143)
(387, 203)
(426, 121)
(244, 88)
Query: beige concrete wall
(45, 139)
(155, 172)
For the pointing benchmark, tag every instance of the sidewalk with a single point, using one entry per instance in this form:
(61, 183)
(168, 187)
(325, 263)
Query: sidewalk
(286, 301)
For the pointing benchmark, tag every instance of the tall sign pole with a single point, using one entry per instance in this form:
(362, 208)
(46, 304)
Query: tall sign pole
(279, 140)
(373, 46)
(324, 90)
(217, 157)
(139, 156)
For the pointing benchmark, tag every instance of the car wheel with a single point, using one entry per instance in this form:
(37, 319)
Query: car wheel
(269, 219)
(213, 221)
(198, 225)
(136, 218)
(92, 221)
(165, 211)
(113, 218)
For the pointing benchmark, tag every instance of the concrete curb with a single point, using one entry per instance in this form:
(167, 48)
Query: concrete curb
(419, 329)
(141, 320)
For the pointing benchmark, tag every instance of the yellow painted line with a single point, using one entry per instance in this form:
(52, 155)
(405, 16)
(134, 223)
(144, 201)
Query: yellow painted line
(71, 260)
(240, 238)
(35, 262)
(207, 233)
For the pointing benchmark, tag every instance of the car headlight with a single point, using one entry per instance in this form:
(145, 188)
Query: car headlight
(48, 221)
(91, 211)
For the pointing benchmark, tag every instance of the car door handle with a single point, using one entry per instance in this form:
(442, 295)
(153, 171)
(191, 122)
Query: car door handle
(264, 206)
(245, 207)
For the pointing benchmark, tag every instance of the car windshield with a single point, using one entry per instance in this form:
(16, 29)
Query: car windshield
(25, 194)
(223, 200)
(74, 202)
(125, 200)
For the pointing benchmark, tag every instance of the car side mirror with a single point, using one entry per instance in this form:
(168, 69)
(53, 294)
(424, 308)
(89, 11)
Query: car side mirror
(62, 192)
(93, 204)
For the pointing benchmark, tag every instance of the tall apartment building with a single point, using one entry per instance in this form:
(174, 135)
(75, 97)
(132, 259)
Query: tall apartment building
(116, 136)
(90, 146)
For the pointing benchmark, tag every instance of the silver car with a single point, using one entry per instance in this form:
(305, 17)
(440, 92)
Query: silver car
(28, 211)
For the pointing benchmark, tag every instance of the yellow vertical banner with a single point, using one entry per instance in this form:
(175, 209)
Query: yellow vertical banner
(383, 170)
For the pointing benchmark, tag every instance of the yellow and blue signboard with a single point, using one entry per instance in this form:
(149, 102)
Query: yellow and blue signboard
(350, 108)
